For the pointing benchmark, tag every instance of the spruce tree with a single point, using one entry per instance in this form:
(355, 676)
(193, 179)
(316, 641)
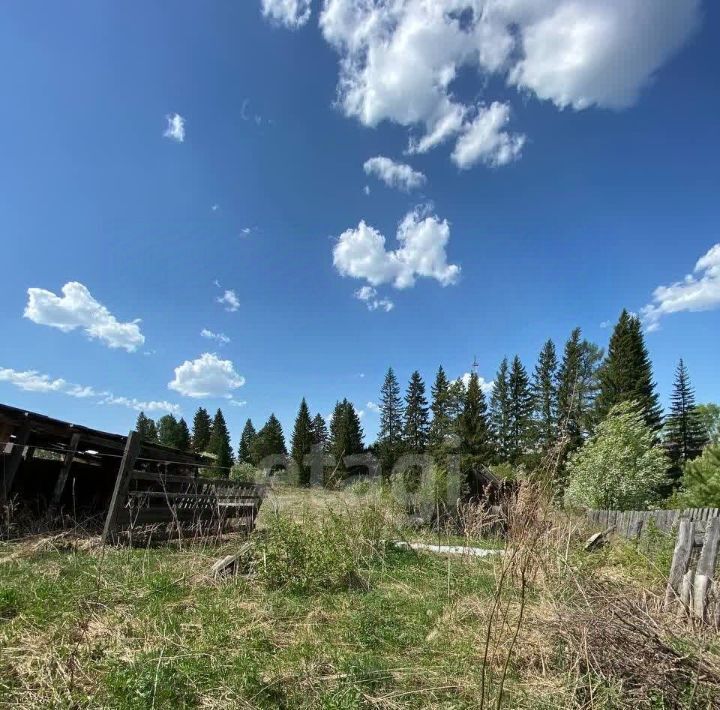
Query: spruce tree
(500, 413)
(202, 426)
(247, 438)
(456, 400)
(685, 435)
(626, 373)
(520, 411)
(270, 441)
(417, 425)
(183, 435)
(168, 433)
(146, 428)
(346, 434)
(220, 446)
(473, 429)
(391, 423)
(320, 432)
(441, 407)
(302, 441)
(545, 393)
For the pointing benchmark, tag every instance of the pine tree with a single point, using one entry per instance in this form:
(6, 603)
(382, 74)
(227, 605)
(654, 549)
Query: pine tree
(520, 410)
(302, 441)
(220, 446)
(168, 434)
(146, 428)
(391, 423)
(473, 429)
(417, 425)
(270, 441)
(247, 438)
(320, 432)
(544, 390)
(685, 435)
(183, 435)
(442, 422)
(500, 413)
(456, 400)
(626, 373)
(202, 428)
(346, 434)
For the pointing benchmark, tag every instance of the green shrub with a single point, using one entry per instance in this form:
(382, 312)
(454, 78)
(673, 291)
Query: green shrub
(701, 481)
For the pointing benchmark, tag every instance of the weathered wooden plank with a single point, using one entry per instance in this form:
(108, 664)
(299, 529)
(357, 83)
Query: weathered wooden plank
(680, 561)
(13, 464)
(64, 471)
(164, 514)
(706, 567)
(127, 463)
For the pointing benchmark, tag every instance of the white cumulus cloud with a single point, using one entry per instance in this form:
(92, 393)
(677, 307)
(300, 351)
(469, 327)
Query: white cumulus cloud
(76, 308)
(484, 140)
(397, 175)
(360, 253)
(399, 59)
(699, 291)
(206, 376)
(485, 386)
(221, 338)
(230, 300)
(370, 297)
(175, 129)
(290, 13)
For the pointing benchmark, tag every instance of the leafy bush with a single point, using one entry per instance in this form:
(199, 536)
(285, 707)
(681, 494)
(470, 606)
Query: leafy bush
(620, 467)
(701, 481)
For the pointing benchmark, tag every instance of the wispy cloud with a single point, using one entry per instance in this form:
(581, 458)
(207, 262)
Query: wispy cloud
(220, 338)
(397, 175)
(369, 296)
(175, 127)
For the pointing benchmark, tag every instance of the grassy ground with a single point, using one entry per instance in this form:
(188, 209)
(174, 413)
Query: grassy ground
(328, 616)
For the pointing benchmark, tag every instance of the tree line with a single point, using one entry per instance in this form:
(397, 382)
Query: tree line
(524, 421)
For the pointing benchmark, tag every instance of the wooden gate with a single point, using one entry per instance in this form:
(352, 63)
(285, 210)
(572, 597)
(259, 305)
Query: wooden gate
(173, 504)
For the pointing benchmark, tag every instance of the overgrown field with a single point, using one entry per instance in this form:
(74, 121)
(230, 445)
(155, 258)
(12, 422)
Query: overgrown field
(327, 614)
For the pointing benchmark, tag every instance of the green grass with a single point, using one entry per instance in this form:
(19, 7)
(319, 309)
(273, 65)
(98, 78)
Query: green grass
(130, 628)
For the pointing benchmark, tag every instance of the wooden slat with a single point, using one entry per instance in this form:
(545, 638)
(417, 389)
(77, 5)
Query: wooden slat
(11, 467)
(127, 463)
(705, 569)
(164, 514)
(174, 496)
(680, 561)
(64, 471)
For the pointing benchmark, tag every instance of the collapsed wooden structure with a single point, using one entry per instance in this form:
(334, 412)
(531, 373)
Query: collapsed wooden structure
(134, 488)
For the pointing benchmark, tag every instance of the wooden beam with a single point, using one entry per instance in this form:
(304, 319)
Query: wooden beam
(11, 467)
(680, 561)
(64, 471)
(132, 449)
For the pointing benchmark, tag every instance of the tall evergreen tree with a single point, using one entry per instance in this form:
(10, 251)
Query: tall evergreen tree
(473, 429)
(220, 446)
(391, 423)
(441, 407)
(520, 409)
(545, 392)
(685, 435)
(303, 439)
(247, 438)
(168, 433)
(146, 428)
(626, 373)
(270, 441)
(500, 413)
(183, 435)
(320, 432)
(202, 426)
(417, 424)
(346, 434)
(456, 400)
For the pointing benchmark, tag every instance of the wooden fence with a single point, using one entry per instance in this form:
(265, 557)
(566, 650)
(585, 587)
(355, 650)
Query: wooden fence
(631, 523)
(175, 504)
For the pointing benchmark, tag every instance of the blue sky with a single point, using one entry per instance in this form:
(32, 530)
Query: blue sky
(568, 160)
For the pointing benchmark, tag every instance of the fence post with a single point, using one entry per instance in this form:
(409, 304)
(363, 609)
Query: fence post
(680, 561)
(706, 567)
(64, 471)
(132, 449)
